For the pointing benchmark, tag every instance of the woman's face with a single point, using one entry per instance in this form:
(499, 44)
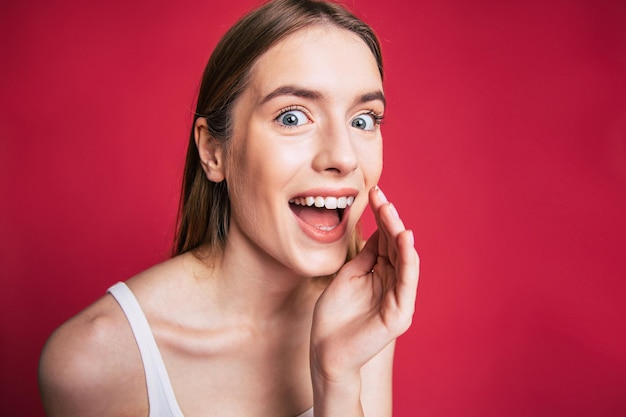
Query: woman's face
(306, 134)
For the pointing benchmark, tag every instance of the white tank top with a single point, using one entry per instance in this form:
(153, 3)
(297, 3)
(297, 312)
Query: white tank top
(161, 398)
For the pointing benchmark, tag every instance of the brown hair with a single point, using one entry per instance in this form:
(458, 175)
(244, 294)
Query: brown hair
(204, 210)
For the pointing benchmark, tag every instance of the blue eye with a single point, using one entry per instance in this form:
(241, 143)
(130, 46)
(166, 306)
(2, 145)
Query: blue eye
(292, 118)
(365, 121)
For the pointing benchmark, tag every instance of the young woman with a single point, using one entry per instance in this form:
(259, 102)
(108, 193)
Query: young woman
(266, 309)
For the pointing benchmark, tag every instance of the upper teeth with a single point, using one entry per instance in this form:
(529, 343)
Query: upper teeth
(330, 203)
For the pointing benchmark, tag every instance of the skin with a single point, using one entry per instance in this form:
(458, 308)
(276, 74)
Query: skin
(251, 333)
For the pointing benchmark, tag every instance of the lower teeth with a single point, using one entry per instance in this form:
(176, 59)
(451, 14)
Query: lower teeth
(324, 228)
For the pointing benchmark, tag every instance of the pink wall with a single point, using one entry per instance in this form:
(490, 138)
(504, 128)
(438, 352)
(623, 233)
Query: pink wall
(505, 152)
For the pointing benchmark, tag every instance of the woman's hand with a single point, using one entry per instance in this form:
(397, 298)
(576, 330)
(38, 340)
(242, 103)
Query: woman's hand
(369, 303)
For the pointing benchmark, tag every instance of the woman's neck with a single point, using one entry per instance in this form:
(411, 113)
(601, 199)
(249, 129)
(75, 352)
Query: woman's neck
(251, 284)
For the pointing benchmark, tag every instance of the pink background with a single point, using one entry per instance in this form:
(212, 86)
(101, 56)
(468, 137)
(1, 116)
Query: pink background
(505, 143)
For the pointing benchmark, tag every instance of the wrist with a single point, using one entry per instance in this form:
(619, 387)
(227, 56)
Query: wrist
(336, 397)
(336, 391)
(328, 368)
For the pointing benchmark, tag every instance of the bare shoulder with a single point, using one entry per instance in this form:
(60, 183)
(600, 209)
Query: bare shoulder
(91, 366)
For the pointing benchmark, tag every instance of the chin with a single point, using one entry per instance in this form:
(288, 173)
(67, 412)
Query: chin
(324, 265)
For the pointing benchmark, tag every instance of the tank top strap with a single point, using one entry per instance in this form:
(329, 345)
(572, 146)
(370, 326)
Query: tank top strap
(307, 413)
(161, 398)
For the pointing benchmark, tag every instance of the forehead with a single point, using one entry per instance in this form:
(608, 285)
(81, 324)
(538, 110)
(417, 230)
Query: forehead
(322, 57)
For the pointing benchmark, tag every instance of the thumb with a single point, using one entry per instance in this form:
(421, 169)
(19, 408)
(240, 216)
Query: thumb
(366, 259)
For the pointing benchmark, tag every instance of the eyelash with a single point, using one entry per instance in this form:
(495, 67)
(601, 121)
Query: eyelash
(378, 117)
(292, 108)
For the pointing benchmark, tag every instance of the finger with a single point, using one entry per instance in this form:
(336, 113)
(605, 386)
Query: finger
(377, 201)
(392, 226)
(365, 260)
(408, 272)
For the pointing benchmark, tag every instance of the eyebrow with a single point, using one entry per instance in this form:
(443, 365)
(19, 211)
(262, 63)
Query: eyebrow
(290, 90)
(373, 96)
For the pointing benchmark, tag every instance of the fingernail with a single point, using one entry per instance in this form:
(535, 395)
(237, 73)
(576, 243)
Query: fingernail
(411, 238)
(381, 194)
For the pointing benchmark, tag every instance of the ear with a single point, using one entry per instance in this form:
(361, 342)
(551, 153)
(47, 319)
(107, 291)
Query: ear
(210, 150)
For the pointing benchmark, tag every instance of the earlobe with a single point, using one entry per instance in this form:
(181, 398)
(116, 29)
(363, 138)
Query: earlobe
(210, 151)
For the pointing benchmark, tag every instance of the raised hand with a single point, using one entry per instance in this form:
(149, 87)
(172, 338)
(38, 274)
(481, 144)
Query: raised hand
(371, 300)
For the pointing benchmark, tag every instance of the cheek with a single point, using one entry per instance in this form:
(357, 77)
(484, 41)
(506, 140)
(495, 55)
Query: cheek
(372, 161)
(259, 166)
(272, 162)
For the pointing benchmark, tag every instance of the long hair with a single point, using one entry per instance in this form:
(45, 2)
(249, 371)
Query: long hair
(204, 211)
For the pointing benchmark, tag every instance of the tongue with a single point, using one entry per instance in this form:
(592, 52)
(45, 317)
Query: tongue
(317, 217)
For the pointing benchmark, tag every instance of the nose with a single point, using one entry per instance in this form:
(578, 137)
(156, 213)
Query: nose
(335, 153)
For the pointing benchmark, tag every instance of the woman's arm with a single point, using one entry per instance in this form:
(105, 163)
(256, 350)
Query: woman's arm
(358, 317)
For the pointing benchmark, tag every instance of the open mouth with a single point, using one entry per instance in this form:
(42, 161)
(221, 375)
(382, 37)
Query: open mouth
(322, 213)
